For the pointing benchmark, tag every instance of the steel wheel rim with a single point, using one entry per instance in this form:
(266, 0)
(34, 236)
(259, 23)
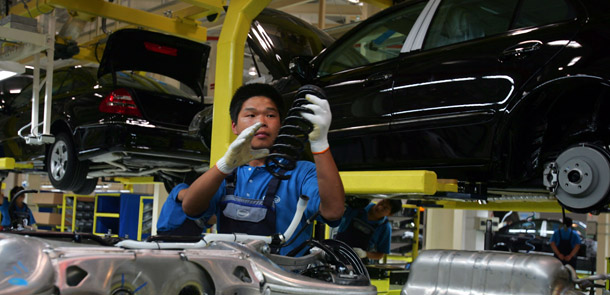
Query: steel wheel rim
(59, 160)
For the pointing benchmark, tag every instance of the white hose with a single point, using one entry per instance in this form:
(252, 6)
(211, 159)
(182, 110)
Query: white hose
(298, 215)
(208, 238)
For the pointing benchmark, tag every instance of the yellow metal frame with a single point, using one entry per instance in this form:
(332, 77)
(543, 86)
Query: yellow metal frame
(109, 215)
(537, 206)
(64, 208)
(229, 67)
(184, 27)
(141, 215)
(135, 180)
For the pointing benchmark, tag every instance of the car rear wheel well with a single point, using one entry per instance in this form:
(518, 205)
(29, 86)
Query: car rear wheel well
(551, 119)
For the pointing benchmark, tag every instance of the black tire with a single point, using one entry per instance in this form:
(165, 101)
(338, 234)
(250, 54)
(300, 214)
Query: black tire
(87, 188)
(64, 169)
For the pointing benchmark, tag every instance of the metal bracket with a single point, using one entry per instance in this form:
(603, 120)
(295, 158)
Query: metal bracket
(549, 177)
(40, 139)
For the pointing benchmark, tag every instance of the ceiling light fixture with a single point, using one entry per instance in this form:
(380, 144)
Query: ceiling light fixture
(353, 1)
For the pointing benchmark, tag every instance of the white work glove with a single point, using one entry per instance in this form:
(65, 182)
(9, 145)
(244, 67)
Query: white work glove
(320, 119)
(361, 253)
(240, 151)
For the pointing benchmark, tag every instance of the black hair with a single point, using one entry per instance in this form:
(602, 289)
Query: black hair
(14, 191)
(248, 91)
(567, 221)
(395, 205)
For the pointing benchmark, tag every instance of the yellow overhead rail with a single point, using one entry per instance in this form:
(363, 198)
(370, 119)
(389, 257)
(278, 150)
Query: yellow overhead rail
(380, 3)
(525, 205)
(180, 26)
(10, 164)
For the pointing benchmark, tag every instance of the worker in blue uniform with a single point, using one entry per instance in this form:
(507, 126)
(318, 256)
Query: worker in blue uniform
(19, 215)
(174, 222)
(4, 203)
(368, 230)
(565, 243)
(245, 197)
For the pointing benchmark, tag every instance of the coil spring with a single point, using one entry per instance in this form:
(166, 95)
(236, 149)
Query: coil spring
(293, 134)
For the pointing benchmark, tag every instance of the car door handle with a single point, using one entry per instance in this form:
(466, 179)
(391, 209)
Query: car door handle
(378, 77)
(520, 50)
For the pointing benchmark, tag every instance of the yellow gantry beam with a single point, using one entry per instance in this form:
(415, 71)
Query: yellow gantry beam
(525, 206)
(229, 68)
(418, 182)
(380, 3)
(182, 27)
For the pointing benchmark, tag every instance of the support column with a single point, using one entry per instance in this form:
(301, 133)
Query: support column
(159, 197)
(229, 67)
(322, 14)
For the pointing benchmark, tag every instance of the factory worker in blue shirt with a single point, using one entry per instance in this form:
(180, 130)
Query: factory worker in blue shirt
(368, 230)
(4, 203)
(172, 220)
(251, 204)
(22, 215)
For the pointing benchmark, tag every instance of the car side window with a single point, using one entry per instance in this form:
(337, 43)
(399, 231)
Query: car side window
(457, 21)
(377, 41)
(543, 12)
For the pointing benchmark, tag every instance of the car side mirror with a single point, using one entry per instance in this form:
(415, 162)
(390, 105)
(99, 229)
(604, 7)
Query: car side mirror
(300, 69)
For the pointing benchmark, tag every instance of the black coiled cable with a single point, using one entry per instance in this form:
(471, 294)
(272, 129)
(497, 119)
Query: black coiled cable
(293, 134)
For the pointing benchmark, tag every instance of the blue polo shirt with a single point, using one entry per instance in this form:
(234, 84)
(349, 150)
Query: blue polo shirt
(380, 241)
(4, 210)
(565, 234)
(172, 216)
(252, 183)
(6, 219)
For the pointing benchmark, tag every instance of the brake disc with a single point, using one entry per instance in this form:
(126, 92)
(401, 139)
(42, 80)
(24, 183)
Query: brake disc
(583, 178)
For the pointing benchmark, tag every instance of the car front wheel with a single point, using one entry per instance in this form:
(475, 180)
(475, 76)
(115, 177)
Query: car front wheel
(65, 171)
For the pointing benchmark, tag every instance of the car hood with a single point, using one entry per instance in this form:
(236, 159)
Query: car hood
(277, 37)
(171, 56)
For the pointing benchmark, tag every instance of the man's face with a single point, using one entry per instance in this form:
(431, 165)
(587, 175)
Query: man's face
(259, 109)
(382, 209)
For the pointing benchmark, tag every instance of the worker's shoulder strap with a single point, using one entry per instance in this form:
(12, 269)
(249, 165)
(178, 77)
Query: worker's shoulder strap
(272, 187)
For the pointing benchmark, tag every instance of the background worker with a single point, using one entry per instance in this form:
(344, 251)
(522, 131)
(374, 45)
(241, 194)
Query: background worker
(368, 230)
(19, 214)
(174, 222)
(245, 197)
(565, 243)
(4, 203)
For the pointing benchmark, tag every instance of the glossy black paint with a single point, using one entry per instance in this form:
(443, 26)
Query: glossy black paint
(114, 144)
(491, 106)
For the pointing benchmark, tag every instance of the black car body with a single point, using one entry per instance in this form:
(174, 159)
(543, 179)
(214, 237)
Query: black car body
(534, 236)
(486, 92)
(114, 120)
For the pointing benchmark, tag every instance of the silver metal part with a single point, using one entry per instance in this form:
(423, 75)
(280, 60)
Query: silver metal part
(32, 265)
(583, 179)
(448, 272)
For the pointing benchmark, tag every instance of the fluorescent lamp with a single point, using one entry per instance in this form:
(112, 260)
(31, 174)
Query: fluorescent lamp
(10, 68)
(353, 1)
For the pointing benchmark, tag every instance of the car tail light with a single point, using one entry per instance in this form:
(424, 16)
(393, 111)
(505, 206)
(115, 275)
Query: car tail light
(161, 49)
(120, 102)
